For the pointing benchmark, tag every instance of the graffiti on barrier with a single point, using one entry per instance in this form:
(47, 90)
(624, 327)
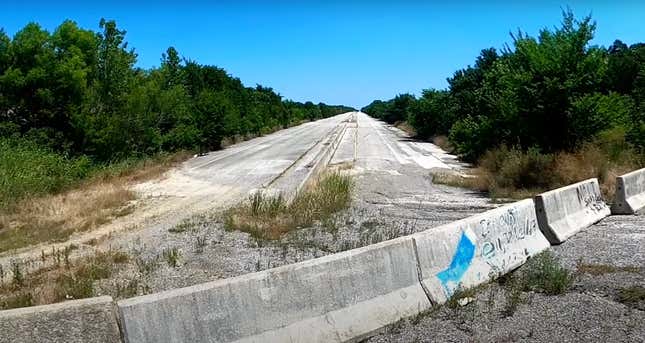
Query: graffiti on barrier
(500, 235)
(588, 196)
(461, 260)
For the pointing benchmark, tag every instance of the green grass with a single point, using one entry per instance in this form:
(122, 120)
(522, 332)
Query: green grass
(543, 273)
(28, 170)
(269, 217)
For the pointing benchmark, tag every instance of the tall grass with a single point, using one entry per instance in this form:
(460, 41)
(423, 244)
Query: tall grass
(27, 170)
(269, 217)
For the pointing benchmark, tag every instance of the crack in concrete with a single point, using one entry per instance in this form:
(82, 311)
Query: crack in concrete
(420, 272)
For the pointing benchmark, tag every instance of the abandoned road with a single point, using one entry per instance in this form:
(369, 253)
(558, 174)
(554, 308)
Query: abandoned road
(391, 171)
(282, 161)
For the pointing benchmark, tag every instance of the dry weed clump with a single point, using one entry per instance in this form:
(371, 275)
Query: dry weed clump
(269, 217)
(62, 280)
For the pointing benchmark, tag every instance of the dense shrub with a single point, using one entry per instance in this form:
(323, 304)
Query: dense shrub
(551, 93)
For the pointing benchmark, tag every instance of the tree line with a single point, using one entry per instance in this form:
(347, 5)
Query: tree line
(548, 93)
(79, 93)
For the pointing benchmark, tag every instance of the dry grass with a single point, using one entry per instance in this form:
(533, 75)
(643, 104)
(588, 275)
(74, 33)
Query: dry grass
(56, 217)
(475, 180)
(406, 127)
(601, 269)
(591, 161)
(511, 173)
(96, 202)
(142, 170)
(61, 281)
(269, 217)
(443, 142)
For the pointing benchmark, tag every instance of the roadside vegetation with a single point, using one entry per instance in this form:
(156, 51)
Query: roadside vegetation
(78, 118)
(63, 280)
(49, 197)
(269, 217)
(542, 273)
(543, 112)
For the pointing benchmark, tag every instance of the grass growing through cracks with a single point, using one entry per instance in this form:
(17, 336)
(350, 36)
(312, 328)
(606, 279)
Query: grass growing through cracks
(269, 217)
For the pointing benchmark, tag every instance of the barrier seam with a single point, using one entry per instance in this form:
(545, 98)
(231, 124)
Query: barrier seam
(420, 272)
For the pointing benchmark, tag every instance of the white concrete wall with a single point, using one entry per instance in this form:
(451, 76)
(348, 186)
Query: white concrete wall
(564, 211)
(474, 250)
(630, 193)
(335, 298)
(86, 320)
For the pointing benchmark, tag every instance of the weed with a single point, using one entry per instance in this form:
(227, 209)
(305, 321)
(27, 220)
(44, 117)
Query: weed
(74, 287)
(48, 197)
(172, 256)
(183, 226)
(476, 182)
(20, 299)
(600, 269)
(269, 217)
(60, 281)
(18, 277)
(544, 273)
(130, 289)
(631, 295)
(513, 287)
(515, 173)
(147, 265)
(200, 244)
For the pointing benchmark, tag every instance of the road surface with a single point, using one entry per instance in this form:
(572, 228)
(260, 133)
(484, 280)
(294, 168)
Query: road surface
(394, 196)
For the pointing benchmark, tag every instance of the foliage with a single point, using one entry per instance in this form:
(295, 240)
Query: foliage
(74, 98)
(549, 93)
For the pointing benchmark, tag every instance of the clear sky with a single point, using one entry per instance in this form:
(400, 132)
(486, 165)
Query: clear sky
(338, 52)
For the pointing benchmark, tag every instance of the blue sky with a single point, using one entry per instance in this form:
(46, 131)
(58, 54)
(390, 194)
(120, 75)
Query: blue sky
(338, 52)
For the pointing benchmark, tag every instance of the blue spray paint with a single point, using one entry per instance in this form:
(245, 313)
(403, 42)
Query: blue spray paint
(460, 262)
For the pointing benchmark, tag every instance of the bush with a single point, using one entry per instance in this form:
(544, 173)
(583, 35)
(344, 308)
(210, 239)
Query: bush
(510, 169)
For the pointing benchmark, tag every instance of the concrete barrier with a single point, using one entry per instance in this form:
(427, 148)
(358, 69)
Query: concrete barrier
(630, 193)
(87, 320)
(336, 298)
(564, 211)
(477, 249)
